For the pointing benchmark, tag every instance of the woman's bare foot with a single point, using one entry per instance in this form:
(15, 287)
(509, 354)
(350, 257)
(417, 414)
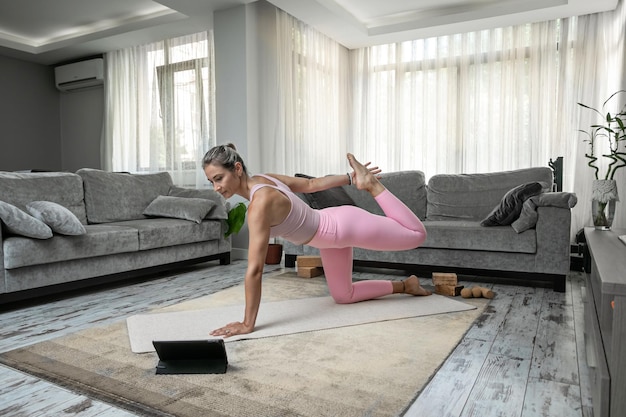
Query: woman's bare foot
(412, 286)
(364, 178)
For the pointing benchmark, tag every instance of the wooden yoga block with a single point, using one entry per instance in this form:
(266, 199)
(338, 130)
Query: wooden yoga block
(444, 278)
(451, 290)
(309, 271)
(305, 260)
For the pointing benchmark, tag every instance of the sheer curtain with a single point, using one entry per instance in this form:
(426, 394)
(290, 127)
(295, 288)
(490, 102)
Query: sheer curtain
(160, 111)
(600, 71)
(474, 102)
(313, 105)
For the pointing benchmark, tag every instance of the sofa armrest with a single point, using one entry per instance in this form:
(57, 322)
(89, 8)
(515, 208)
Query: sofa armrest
(553, 240)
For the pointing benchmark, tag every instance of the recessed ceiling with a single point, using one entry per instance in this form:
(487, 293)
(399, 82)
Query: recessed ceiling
(50, 32)
(53, 31)
(54, 26)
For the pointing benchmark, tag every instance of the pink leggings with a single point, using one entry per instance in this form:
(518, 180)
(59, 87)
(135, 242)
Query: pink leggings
(344, 227)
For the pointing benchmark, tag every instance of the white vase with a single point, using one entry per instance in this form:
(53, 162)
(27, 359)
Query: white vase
(603, 199)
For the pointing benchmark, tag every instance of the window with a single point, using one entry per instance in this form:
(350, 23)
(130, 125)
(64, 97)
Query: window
(183, 97)
(461, 103)
(160, 113)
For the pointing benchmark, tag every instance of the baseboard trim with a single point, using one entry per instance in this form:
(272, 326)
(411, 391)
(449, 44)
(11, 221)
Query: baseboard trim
(238, 253)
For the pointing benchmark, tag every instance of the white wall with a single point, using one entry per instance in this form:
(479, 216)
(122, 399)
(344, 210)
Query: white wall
(245, 86)
(29, 117)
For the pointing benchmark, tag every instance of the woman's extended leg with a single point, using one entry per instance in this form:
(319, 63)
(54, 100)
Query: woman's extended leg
(341, 229)
(390, 204)
(344, 227)
(350, 226)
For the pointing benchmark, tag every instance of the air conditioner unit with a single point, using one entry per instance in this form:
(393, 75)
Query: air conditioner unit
(79, 75)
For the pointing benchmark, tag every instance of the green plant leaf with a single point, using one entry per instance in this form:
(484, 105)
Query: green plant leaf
(236, 219)
(613, 130)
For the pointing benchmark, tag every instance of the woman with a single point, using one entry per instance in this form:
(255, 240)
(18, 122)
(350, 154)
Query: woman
(275, 210)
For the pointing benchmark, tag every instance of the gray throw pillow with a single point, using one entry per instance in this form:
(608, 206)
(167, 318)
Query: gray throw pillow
(59, 218)
(193, 209)
(332, 197)
(20, 223)
(528, 217)
(117, 196)
(511, 205)
(218, 212)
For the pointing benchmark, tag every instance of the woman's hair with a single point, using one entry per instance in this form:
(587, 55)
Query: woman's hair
(224, 155)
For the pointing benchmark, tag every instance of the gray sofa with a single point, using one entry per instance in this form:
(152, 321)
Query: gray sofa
(535, 247)
(67, 230)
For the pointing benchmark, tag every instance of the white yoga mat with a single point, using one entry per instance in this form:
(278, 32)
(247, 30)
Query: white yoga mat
(282, 317)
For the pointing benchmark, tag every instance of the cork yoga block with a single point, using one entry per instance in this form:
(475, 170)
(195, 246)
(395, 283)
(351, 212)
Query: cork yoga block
(309, 271)
(444, 278)
(451, 290)
(308, 261)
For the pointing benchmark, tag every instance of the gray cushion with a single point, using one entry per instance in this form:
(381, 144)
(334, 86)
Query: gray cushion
(408, 186)
(99, 241)
(64, 188)
(111, 196)
(331, 197)
(218, 212)
(19, 223)
(473, 196)
(470, 235)
(511, 204)
(193, 209)
(161, 232)
(57, 217)
(528, 216)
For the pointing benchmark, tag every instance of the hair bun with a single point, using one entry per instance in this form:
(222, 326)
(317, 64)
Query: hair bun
(231, 146)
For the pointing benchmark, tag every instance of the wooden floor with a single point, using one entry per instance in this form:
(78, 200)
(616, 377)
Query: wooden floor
(524, 357)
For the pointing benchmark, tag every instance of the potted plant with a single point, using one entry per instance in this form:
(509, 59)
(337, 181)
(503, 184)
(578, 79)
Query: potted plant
(611, 129)
(236, 219)
(274, 253)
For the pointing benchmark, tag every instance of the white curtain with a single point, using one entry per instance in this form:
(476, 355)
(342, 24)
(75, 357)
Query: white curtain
(600, 71)
(159, 108)
(474, 102)
(313, 110)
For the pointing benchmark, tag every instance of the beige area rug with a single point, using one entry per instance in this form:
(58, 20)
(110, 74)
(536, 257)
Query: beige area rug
(373, 369)
(279, 318)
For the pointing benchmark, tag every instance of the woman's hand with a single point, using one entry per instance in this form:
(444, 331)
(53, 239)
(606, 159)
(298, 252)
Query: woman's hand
(232, 329)
(374, 170)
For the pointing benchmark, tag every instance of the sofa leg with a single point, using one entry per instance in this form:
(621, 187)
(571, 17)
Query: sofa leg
(225, 259)
(559, 283)
(290, 261)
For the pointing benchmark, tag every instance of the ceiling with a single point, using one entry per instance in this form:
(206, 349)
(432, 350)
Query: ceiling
(49, 32)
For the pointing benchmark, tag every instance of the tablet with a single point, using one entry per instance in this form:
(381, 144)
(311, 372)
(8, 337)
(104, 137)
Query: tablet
(191, 356)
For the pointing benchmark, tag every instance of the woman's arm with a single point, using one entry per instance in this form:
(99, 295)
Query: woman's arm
(259, 231)
(305, 185)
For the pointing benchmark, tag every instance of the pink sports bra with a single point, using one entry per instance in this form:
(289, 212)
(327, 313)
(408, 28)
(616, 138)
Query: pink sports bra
(301, 223)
